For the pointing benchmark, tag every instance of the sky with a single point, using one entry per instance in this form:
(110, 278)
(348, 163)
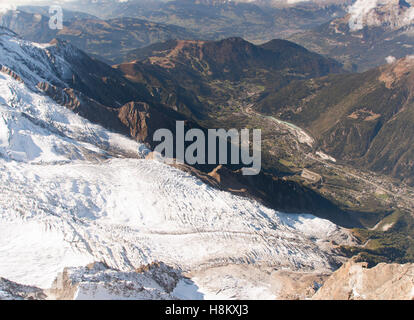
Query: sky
(11, 4)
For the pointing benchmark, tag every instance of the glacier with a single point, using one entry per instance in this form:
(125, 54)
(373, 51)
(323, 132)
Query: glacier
(73, 193)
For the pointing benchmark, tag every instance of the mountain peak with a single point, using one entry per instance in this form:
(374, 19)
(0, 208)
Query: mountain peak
(390, 14)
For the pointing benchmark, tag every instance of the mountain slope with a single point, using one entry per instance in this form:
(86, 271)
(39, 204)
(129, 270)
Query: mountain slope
(231, 76)
(63, 65)
(10, 290)
(235, 58)
(216, 71)
(73, 193)
(88, 87)
(132, 107)
(363, 119)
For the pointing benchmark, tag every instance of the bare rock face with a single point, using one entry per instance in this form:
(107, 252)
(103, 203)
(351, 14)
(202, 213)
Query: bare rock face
(354, 281)
(138, 120)
(10, 72)
(142, 120)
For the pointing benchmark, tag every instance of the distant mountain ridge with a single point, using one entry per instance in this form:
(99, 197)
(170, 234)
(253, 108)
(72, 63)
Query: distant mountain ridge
(109, 40)
(235, 59)
(257, 21)
(365, 37)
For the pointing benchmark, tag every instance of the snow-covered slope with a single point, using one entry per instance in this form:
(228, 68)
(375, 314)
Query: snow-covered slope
(73, 193)
(98, 281)
(10, 290)
(33, 62)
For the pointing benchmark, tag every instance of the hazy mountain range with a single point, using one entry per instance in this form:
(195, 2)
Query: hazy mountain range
(368, 36)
